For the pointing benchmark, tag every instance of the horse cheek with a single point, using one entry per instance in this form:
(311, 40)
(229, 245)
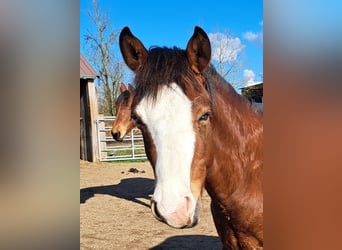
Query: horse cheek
(200, 161)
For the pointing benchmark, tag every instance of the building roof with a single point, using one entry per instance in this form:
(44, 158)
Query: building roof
(86, 70)
(253, 85)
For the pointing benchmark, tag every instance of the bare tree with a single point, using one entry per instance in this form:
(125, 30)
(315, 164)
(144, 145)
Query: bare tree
(227, 56)
(101, 53)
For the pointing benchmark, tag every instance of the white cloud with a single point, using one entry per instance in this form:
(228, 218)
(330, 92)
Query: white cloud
(224, 48)
(250, 36)
(248, 76)
(253, 37)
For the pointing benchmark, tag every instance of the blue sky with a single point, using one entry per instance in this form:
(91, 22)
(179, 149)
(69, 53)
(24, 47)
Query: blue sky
(172, 23)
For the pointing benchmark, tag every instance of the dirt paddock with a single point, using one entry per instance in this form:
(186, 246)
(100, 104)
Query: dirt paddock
(115, 213)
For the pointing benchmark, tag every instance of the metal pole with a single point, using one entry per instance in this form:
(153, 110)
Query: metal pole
(132, 137)
(98, 138)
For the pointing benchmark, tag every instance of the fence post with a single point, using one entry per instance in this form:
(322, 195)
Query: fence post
(133, 149)
(103, 144)
(98, 138)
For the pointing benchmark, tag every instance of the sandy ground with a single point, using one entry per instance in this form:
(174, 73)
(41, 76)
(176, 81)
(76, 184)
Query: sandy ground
(115, 213)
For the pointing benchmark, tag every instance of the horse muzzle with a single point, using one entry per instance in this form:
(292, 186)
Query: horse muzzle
(116, 136)
(178, 219)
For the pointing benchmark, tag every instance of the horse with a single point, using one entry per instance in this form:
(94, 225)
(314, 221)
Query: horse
(200, 133)
(123, 123)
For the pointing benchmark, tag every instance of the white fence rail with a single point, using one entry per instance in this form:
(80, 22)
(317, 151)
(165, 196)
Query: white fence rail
(131, 148)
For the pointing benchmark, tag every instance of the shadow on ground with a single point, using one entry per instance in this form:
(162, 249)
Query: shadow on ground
(197, 242)
(129, 189)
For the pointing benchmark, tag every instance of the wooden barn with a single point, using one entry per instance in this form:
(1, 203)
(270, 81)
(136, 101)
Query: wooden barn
(88, 111)
(254, 93)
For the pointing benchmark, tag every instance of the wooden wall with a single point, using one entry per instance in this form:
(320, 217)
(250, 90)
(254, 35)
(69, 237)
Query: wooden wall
(88, 114)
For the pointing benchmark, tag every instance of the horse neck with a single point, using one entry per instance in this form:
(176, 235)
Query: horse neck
(236, 143)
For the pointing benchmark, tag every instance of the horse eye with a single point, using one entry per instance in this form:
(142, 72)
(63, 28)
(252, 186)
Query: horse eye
(204, 117)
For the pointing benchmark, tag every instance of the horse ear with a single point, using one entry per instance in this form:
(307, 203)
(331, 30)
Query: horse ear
(132, 49)
(122, 87)
(131, 88)
(198, 50)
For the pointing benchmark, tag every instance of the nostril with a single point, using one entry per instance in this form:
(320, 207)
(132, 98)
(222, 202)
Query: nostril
(116, 136)
(155, 211)
(188, 201)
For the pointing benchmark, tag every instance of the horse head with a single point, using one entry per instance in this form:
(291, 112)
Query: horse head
(173, 108)
(123, 123)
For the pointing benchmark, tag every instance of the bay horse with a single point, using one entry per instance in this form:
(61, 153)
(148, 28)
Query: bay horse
(123, 123)
(200, 133)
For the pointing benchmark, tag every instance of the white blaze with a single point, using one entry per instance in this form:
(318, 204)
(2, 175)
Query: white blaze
(169, 120)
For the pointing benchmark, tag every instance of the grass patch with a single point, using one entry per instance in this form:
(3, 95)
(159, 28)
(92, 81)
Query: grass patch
(126, 161)
(115, 154)
(130, 161)
(125, 152)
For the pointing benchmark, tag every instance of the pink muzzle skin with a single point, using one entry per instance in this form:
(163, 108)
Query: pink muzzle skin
(180, 218)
